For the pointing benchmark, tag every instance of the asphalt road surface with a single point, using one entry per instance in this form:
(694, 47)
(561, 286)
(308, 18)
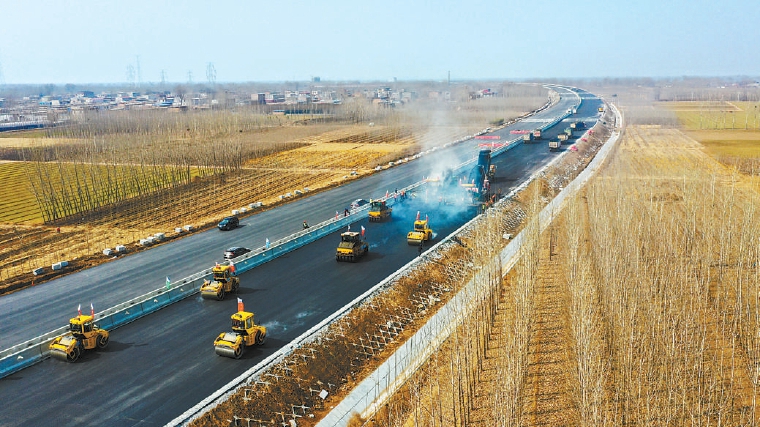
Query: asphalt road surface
(159, 366)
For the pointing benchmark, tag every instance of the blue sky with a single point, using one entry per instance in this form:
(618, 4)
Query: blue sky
(96, 41)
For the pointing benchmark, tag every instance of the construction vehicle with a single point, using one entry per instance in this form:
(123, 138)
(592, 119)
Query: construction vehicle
(562, 137)
(245, 333)
(83, 335)
(554, 145)
(478, 175)
(537, 134)
(577, 126)
(600, 109)
(568, 131)
(352, 247)
(491, 175)
(223, 282)
(480, 178)
(528, 138)
(421, 233)
(379, 211)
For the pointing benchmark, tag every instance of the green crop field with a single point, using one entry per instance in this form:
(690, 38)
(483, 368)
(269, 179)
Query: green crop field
(63, 189)
(17, 202)
(717, 115)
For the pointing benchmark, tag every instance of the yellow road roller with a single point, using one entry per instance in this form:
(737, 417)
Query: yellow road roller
(83, 335)
(245, 333)
(224, 281)
(421, 233)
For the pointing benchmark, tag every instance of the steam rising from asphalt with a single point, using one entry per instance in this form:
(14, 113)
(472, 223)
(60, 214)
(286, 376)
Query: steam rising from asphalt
(439, 215)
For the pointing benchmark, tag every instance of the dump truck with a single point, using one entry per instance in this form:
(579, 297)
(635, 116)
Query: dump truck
(537, 134)
(554, 145)
(562, 137)
(577, 126)
(245, 333)
(421, 233)
(83, 335)
(528, 138)
(223, 282)
(600, 109)
(379, 211)
(352, 247)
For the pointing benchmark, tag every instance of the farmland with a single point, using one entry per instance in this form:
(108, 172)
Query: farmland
(729, 131)
(718, 115)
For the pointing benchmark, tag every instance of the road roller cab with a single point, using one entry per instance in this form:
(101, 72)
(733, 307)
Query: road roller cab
(352, 246)
(245, 332)
(379, 211)
(83, 335)
(223, 282)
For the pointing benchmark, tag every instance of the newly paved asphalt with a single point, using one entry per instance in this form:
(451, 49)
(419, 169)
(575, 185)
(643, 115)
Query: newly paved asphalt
(157, 367)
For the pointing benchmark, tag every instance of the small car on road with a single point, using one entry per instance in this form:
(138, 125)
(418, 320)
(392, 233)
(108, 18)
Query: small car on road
(229, 223)
(358, 203)
(235, 252)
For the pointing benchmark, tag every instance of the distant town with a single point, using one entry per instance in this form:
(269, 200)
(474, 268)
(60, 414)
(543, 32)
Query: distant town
(35, 111)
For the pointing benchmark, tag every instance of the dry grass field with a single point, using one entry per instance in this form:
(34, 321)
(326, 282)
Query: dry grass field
(149, 164)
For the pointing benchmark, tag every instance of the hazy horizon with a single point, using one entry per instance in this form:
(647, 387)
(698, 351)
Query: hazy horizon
(77, 42)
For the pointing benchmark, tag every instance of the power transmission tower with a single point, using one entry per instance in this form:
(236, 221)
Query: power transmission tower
(139, 77)
(130, 73)
(189, 77)
(163, 78)
(211, 73)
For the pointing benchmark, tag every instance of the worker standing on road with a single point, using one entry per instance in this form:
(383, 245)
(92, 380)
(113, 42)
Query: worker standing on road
(305, 225)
